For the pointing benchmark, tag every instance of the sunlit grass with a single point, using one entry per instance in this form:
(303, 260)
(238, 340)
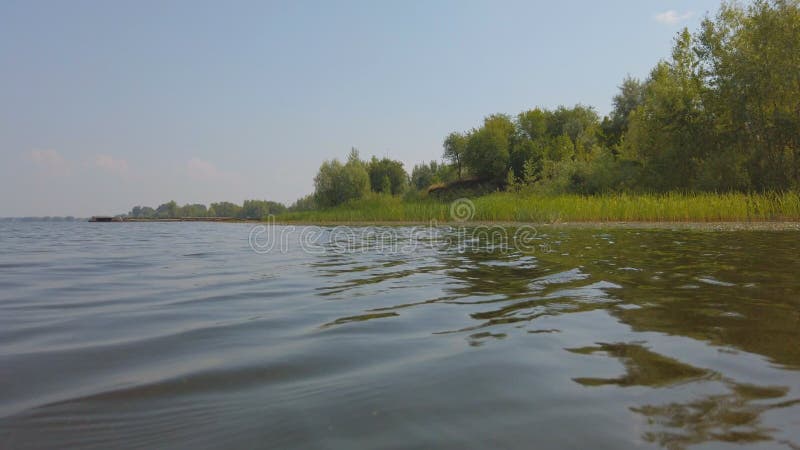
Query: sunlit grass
(512, 207)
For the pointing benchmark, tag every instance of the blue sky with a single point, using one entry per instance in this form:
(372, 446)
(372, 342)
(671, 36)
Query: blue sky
(109, 104)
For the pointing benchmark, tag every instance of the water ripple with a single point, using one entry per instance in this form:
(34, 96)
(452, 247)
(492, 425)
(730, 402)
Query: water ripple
(143, 335)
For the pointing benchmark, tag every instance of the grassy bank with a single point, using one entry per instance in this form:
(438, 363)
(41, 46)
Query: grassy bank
(511, 207)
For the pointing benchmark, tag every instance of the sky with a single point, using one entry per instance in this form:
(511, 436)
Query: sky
(105, 105)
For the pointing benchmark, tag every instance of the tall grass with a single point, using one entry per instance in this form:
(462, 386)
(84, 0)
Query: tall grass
(513, 207)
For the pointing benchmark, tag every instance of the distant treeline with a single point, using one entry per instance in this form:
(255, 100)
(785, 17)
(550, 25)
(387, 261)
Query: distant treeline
(722, 114)
(250, 209)
(41, 219)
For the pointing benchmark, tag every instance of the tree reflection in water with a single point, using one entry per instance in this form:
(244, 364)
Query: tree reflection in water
(734, 416)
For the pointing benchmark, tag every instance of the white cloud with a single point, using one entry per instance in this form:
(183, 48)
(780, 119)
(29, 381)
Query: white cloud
(50, 160)
(111, 164)
(673, 17)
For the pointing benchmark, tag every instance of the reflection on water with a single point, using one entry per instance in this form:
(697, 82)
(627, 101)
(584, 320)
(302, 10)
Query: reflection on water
(152, 335)
(734, 417)
(642, 367)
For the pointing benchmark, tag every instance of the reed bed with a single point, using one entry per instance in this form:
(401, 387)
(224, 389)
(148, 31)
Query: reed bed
(514, 207)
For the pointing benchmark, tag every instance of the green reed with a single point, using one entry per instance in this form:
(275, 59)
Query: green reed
(514, 207)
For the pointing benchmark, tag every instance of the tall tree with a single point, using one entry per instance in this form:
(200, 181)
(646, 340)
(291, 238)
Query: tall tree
(455, 145)
(487, 152)
(630, 97)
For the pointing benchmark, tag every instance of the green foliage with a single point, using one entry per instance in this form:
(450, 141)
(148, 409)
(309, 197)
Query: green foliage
(252, 209)
(487, 152)
(669, 131)
(512, 184)
(455, 146)
(534, 136)
(561, 148)
(387, 176)
(337, 183)
(142, 212)
(259, 209)
(306, 203)
(579, 124)
(531, 171)
(424, 176)
(750, 59)
(194, 210)
(629, 98)
(525, 151)
(226, 209)
(720, 115)
(536, 208)
(533, 124)
(167, 210)
(374, 208)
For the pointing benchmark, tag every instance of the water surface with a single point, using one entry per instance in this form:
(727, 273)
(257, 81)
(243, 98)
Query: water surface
(179, 335)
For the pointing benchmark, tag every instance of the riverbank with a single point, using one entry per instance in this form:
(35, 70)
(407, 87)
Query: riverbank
(697, 226)
(190, 219)
(701, 226)
(696, 211)
(528, 208)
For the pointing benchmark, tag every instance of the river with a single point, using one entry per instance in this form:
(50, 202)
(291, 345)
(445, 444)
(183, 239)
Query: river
(204, 335)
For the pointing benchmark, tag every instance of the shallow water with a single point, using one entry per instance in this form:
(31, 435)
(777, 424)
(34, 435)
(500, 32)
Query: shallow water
(180, 335)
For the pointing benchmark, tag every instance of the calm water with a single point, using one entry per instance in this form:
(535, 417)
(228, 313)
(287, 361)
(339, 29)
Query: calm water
(179, 335)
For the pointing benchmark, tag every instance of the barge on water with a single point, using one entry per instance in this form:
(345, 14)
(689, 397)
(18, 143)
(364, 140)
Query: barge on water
(105, 219)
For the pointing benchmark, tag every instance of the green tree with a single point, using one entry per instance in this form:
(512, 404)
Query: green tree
(533, 123)
(226, 209)
(561, 148)
(382, 170)
(487, 152)
(580, 124)
(531, 172)
(630, 97)
(750, 58)
(455, 145)
(306, 203)
(167, 210)
(512, 182)
(337, 183)
(425, 175)
(668, 131)
(259, 209)
(525, 150)
(422, 175)
(192, 210)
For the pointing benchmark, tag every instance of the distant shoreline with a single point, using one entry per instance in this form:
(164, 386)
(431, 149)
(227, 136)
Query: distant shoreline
(194, 219)
(764, 225)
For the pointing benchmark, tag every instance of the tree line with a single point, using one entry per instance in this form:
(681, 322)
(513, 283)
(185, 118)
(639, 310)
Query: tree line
(249, 209)
(721, 114)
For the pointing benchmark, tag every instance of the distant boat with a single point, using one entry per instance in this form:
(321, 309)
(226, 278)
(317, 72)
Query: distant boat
(105, 219)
